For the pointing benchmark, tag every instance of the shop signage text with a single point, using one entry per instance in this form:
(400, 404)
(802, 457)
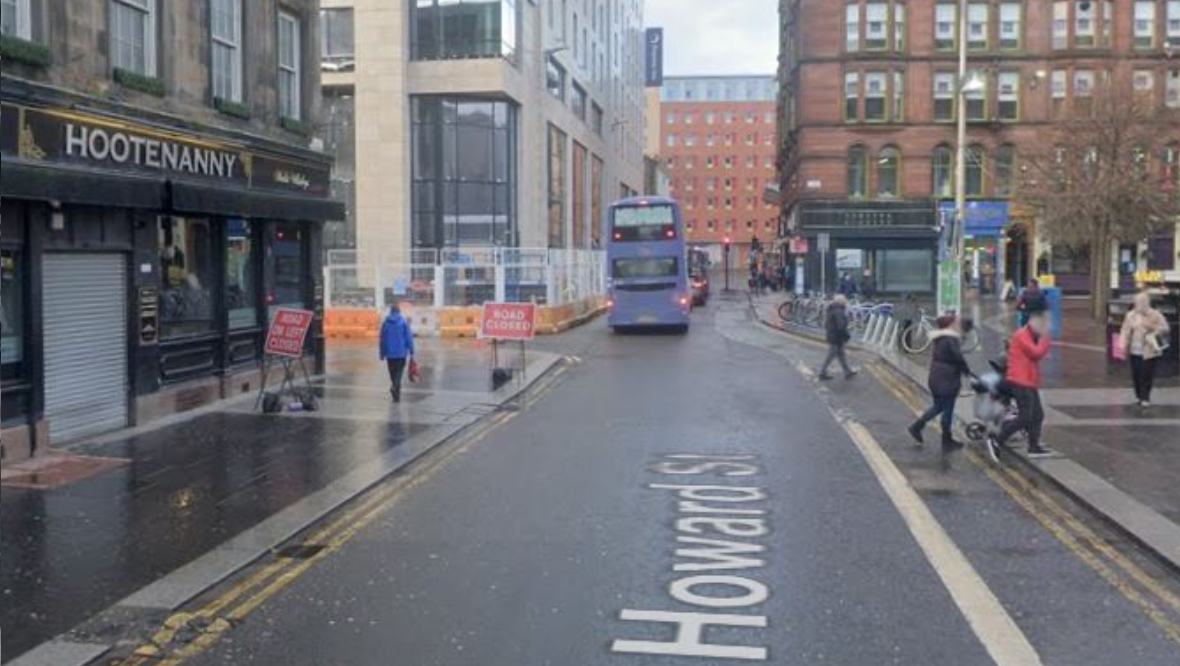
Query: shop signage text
(99, 145)
(876, 215)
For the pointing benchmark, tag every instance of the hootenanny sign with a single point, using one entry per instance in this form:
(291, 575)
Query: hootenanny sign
(66, 136)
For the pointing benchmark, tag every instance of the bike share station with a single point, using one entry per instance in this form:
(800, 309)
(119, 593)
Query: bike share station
(507, 323)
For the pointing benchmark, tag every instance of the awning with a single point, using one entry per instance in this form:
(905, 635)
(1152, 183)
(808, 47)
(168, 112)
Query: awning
(197, 198)
(21, 179)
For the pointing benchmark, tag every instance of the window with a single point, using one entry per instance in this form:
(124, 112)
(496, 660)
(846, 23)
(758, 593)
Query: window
(944, 96)
(875, 97)
(578, 187)
(443, 29)
(186, 247)
(1058, 88)
(671, 140)
(225, 30)
(899, 27)
(464, 171)
(1143, 83)
(1172, 89)
(15, 21)
(12, 309)
(555, 82)
(858, 185)
(596, 118)
(1011, 25)
(1083, 88)
(904, 271)
(898, 96)
(876, 25)
(946, 18)
(942, 167)
(1060, 24)
(710, 117)
(336, 46)
(290, 105)
(851, 97)
(1173, 36)
(888, 166)
(1083, 23)
(1108, 22)
(578, 100)
(670, 119)
(1144, 24)
(1008, 96)
(1005, 170)
(690, 140)
(973, 184)
(133, 35)
(556, 173)
(977, 26)
(976, 100)
(241, 282)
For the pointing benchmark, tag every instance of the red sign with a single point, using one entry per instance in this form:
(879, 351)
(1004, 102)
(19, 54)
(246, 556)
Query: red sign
(508, 321)
(287, 332)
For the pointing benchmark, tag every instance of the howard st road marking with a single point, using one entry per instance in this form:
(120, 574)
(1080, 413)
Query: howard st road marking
(717, 527)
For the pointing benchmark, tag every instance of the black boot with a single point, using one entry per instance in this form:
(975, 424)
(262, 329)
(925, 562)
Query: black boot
(949, 443)
(915, 431)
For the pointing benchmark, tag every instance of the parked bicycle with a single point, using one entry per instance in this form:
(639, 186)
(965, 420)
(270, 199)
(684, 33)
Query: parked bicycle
(918, 336)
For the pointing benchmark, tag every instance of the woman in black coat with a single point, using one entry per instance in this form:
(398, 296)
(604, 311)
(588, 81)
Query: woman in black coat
(947, 367)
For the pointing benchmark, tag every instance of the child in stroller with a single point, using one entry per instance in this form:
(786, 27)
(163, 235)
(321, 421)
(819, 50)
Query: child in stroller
(993, 406)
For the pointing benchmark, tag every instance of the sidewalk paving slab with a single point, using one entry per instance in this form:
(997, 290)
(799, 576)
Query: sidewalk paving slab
(194, 500)
(1078, 471)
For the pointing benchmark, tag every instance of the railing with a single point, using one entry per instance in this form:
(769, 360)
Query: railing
(463, 277)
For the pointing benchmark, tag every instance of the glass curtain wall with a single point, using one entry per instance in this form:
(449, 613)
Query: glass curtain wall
(464, 172)
(443, 29)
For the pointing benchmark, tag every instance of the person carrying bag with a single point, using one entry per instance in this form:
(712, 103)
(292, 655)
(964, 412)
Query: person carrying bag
(396, 349)
(1142, 340)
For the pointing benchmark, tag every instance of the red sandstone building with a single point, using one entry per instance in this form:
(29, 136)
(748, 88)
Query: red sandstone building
(717, 137)
(867, 120)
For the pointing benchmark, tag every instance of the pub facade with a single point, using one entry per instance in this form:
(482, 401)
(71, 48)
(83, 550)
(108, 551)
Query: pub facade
(147, 237)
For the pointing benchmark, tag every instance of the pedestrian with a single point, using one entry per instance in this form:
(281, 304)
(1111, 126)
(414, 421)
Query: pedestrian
(868, 285)
(397, 348)
(1028, 347)
(837, 336)
(947, 367)
(847, 286)
(1032, 300)
(1144, 337)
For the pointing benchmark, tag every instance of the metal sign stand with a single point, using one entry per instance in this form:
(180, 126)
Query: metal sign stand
(287, 387)
(523, 359)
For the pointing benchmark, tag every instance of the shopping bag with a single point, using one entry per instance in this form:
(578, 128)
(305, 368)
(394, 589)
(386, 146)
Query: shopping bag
(1118, 350)
(415, 372)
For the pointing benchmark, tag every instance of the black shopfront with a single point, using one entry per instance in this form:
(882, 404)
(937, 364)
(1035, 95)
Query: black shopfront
(148, 249)
(896, 242)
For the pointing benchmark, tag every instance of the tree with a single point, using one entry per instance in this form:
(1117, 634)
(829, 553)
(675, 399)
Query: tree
(1091, 181)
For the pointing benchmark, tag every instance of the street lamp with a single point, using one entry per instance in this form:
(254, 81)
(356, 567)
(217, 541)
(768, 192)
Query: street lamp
(950, 278)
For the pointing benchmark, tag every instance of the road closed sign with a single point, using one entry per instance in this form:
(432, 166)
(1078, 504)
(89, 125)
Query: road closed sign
(508, 321)
(287, 332)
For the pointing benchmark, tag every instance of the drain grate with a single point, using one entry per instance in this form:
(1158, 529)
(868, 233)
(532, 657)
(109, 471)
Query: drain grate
(299, 551)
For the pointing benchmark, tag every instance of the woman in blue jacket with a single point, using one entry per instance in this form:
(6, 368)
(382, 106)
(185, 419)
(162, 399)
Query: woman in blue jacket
(397, 347)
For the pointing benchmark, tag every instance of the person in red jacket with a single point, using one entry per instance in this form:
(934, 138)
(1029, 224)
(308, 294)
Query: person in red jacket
(1029, 345)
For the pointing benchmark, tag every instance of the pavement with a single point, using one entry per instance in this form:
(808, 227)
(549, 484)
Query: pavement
(1121, 459)
(146, 519)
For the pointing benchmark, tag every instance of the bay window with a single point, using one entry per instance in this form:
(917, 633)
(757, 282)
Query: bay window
(133, 36)
(876, 25)
(851, 97)
(225, 31)
(442, 29)
(290, 67)
(875, 97)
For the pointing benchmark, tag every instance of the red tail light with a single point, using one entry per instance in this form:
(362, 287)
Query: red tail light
(670, 233)
(684, 300)
(618, 236)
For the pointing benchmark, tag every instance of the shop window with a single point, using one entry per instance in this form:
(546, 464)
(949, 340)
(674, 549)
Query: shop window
(241, 271)
(904, 270)
(975, 159)
(1161, 253)
(186, 248)
(289, 268)
(858, 185)
(1005, 170)
(12, 311)
(888, 168)
(942, 166)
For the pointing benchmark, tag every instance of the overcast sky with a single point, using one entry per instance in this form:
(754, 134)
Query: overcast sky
(716, 36)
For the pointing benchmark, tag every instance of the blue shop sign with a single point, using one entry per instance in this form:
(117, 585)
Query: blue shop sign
(984, 218)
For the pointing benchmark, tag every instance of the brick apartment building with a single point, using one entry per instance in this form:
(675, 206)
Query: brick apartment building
(867, 120)
(718, 142)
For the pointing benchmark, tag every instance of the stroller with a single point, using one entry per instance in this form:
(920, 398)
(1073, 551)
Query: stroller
(994, 405)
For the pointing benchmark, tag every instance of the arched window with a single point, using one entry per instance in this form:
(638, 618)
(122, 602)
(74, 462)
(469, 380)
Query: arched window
(1005, 170)
(973, 182)
(888, 169)
(858, 177)
(942, 166)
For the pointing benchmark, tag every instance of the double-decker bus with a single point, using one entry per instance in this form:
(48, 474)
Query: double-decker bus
(647, 261)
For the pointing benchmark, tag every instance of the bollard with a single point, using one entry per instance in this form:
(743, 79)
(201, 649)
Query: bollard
(871, 329)
(894, 331)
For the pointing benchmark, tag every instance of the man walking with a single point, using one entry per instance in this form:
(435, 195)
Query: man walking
(397, 346)
(837, 336)
(1028, 347)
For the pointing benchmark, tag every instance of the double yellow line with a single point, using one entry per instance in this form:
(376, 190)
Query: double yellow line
(1136, 585)
(230, 607)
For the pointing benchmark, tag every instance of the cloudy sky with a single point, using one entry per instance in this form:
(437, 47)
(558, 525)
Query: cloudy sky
(716, 36)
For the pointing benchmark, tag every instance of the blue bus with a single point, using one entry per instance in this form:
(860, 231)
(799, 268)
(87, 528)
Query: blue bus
(647, 261)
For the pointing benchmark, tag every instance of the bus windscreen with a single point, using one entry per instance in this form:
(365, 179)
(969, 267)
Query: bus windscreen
(644, 223)
(645, 267)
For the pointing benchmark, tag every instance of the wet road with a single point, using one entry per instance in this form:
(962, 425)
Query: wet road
(672, 480)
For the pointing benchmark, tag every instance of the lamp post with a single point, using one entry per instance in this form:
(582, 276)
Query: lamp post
(950, 273)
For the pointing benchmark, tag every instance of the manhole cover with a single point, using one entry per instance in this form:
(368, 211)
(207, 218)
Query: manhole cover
(53, 471)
